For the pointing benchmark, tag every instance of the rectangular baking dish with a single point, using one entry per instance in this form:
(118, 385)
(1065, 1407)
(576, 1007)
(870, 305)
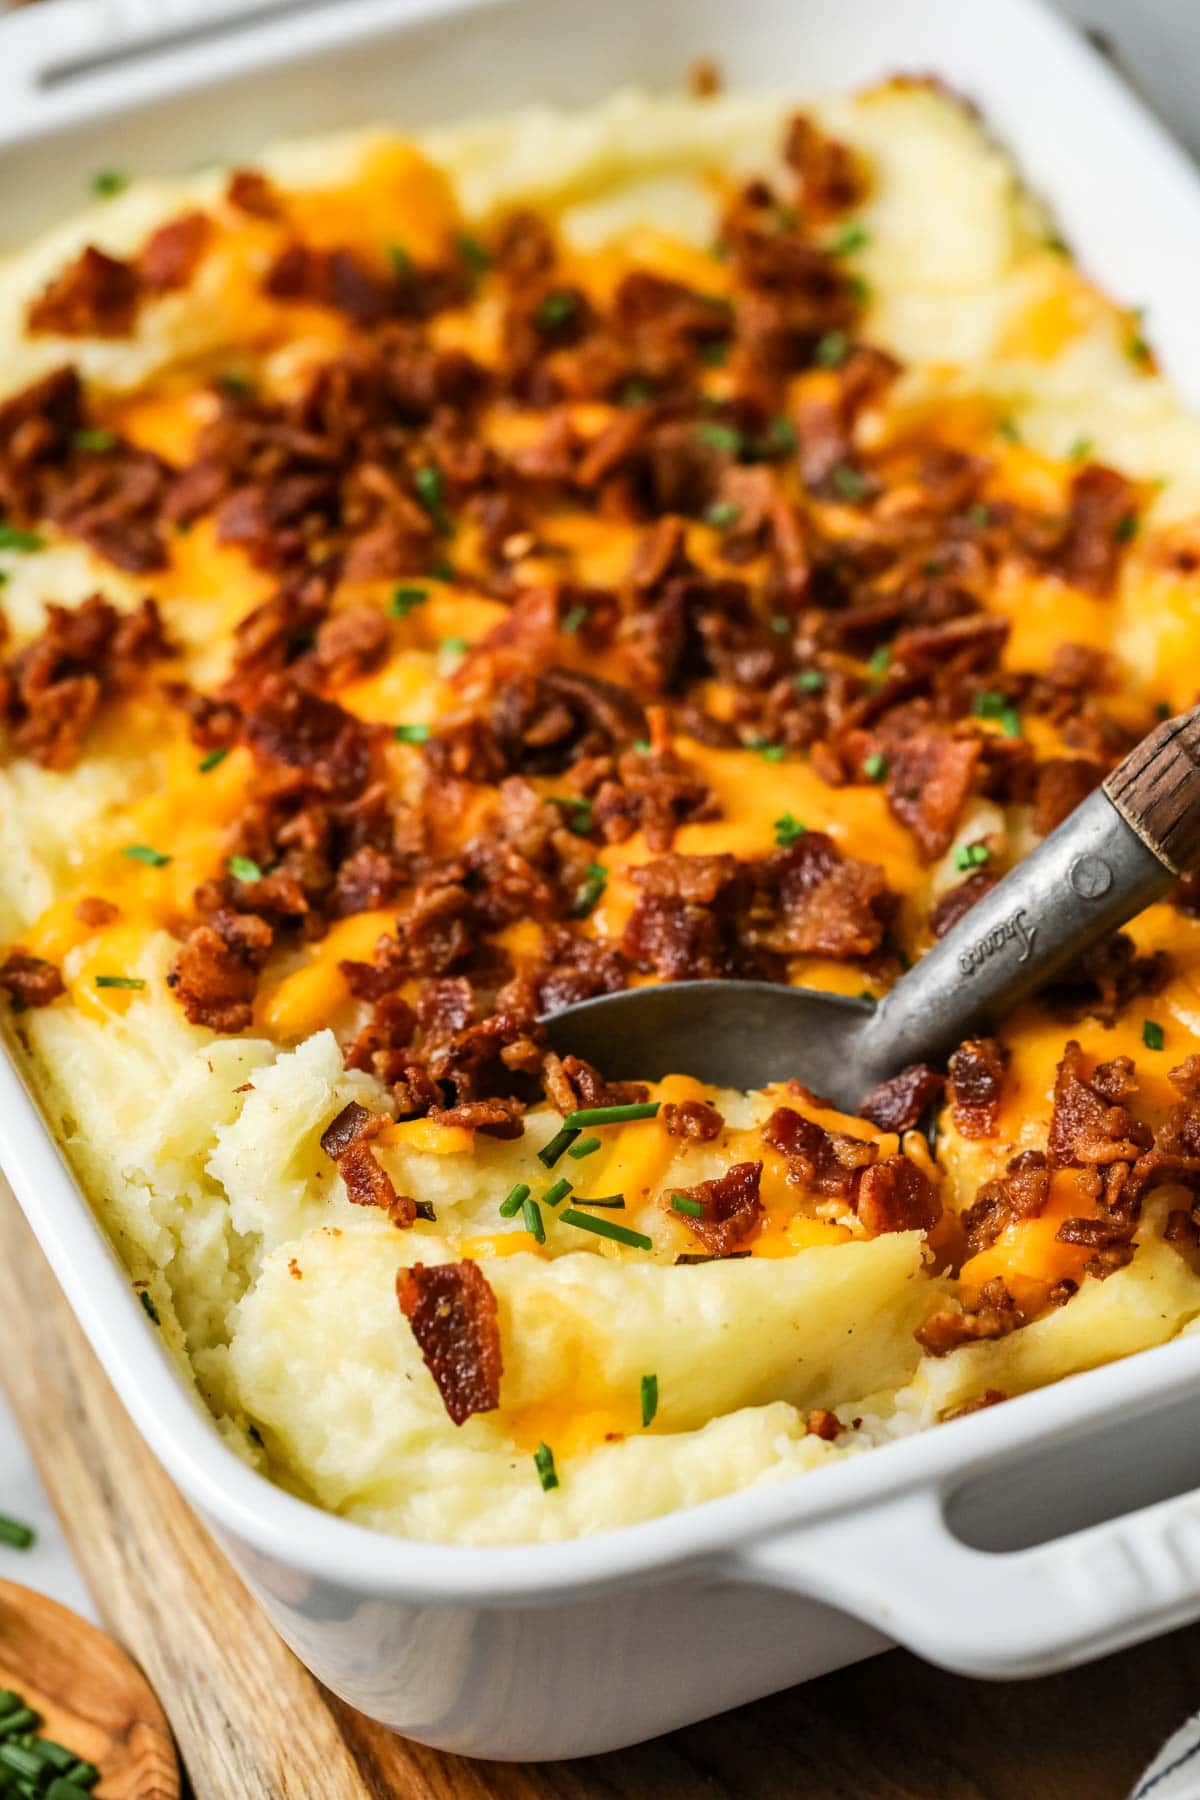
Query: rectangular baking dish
(1020, 1540)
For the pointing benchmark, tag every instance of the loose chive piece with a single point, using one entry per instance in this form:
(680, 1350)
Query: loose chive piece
(573, 618)
(24, 1719)
(590, 891)
(20, 1536)
(543, 1462)
(404, 599)
(587, 1147)
(93, 437)
(243, 868)
(146, 853)
(995, 705)
(63, 1788)
(557, 1191)
(606, 1228)
(120, 981)
(21, 1762)
(810, 681)
(401, 261)
(557, 308)
(1126, 528)
(83, 1773)
(694, 1208)
(1008, 430)
(562, 1140)
(611, 1202)
(107, 182)
(411, 734)
(875, 766)
(473, 253)
(148, 1307)
(788, 829)
(213, 759)
(771, 753)
(580, 821)
(721, 437)
(1080, 449)
(980, 515)
(10, 1700)
(781, 436)
(649, 1399)
(12, 537)
(431, 488)
(880, 660)
(722, 514)
(850, 484)
(511, 1205)
(850, 238)
(454, 646)
(780, 624)
(1153, 1035)
(613, 1115)
(57, 1755)
(971, 856)
(831, 349)
(531, 1213)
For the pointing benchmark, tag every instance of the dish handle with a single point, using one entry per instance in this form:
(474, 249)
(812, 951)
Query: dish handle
(898, 1566)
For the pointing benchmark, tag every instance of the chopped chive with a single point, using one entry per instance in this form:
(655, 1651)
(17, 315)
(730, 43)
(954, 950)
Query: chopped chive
(590, 891)
(1057, 245)
(642, 746)
(12, 537)
(850, 484)
(586, 1147)
(1126, 528)
(880, 660)
(562, 1140)
(831, 349)
(580, 821)
(1137, 348)
(721, 437)
(401, 261)
(980, 515)
(1080, 449)
(235, 386)
(213, 758)
(80, 1775)
(780, 624)
(511, 1205)
(431, 488)
(64, 1788)
(107, 182)
(649, 1399)
(557, 1191)
(119, 981)
(10, 1700)
(454, 646)
(606, 1228)
(809, 681)
(722, 514)
(875, 766)
(531, 1213)
(411, 734)
(573, 619)
(1008, 430)
(1153, 1035)
(860, 289)
(613, 1115)
(788, 829)
(543, 1462)
(24, 1719)
(56, 1755)
(473, 253)
(971, 856)
(1162, 709)
(243, 868)
(441, 569)
(714, 355)
(781, 436)
(146, 853)
(992, 704)
(148, 1307)
(22, 1762)
(556, 308)
(612, 1202)
(771, 753)
(13, 1532)
(635, 392)
(404, 599)
(850, 238)
(682, 1204)
(93, 437)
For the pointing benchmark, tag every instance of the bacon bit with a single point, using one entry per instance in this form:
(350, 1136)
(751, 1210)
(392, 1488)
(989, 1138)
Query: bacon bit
(54, 686)
(95, 912)
(1060, 784)
(828, 1162)
(897, 1104)
(704, 78)
(353, 1122)
(958, 901)
(976, 1084)
(30, 980)
(591, 1089)
(827, 904)
(294, 726)
(251, 192)
(170, 255)
(94, 296)
(1089, 553)
(454, 1318)
(822, 1423)
(694, 1120)
(930, 776)
(830, 176)
(368, 1184)
(1019, 1194)
(492, 1118)
(894, 1195)
(733, 1212)
(995, 1316)
(294, 1269)
(1105, 979)
(989, 1397)
(1085, 1127)
(216, 970)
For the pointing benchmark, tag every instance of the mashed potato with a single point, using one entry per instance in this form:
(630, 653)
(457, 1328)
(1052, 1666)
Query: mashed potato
(642, 1371)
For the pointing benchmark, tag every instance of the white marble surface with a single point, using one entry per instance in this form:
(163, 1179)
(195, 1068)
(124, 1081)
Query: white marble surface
(1159, 43)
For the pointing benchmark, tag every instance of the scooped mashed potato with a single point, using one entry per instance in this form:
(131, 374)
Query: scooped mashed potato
(571, 662)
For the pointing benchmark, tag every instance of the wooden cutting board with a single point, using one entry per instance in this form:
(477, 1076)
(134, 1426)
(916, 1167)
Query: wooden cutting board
(252, 1724)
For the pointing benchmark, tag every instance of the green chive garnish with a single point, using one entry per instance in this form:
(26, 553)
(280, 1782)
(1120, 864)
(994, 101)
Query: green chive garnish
(243, 868)
(562, 1140)
(212, 759)
(605, 1228)
(590, 891)
(531, 1213)
(13, 1532)
(994, 705)
(411, 734)
(682, 1204)
(10, 1701)
(850, 238)
(473, 253)
(971, 856)
(1007, 429)
(16, 1723)
(146, 853)
(93, 437)
(119, 981)
(780, 624)
(543, 1462)
(721, 437)
(511, 1205)
(1080, 449)
(454, 646)
(12, 537)
(1126, 528)
(431, 488)
(1153, 1035)
(848, 482)
(21, 1761)
(781, 436)
(880, 660)
(557, 308)
(83, 1774)
(611, 1202)
(107, 182)
(56, 1755)
(722, 514)
(586, 1147)
(441, 569)
(860, 289)
(787, 829)
(148, 1307)
(78, 1778)
(649, 1399)
(831, 349)
(580, 821)
(980, 515)
(556, 1192)
(810, 681)
(613, 1115)
(573, 618)
(401, 261)
(875, 766)
(404, 599)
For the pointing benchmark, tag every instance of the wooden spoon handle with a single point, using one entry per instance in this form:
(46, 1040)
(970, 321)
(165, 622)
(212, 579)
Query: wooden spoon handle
(1156, 790)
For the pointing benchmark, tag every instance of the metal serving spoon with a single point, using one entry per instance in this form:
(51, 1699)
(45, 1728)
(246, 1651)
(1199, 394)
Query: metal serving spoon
(1121, 849)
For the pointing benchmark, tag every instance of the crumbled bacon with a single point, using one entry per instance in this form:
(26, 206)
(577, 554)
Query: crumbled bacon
(977, 1084)
(693, 1120)
(828, 1162)
(894, 1195)
(930, 776)
(170, 255)
(454, 1318)
(1086, 1127)
(95, 296)
(995, 1315)
(897, 1104)
(732, 1211)
(957, 901)
(216, 970)
(1059, 786)
(30, 980)
(1089, 553)
(1020, 1193)
(820, 1422)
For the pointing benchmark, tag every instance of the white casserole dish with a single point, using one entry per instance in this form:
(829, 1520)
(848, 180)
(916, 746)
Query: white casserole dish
(952, 1542)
